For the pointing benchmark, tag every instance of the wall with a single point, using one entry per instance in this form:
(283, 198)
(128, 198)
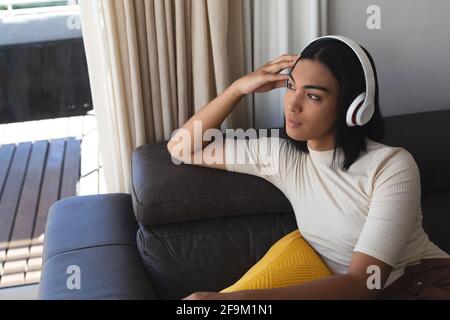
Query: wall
(411, 50)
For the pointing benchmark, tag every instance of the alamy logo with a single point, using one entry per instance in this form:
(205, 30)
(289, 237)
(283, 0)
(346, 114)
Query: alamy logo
(263, 151)
(374, 280)
(74, 280)
(73, 22)
(374, 19)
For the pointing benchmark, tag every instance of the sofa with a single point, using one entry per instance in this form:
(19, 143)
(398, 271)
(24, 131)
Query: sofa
(188, 228)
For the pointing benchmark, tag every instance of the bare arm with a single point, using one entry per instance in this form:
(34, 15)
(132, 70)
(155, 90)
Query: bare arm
(353, 285)
(211, 116)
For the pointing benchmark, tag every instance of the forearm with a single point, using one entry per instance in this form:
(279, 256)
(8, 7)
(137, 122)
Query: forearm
(210, 116)
(339, 287)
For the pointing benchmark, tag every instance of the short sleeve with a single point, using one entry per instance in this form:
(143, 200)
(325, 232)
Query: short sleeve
(265, 157)
(393, 209)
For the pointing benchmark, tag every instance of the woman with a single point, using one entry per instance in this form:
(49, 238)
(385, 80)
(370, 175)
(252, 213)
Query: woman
(356, 201)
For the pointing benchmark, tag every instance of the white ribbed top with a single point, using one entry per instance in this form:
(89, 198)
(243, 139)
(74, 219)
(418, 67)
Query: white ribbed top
(373, 208)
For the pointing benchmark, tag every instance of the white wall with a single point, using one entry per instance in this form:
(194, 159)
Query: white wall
(411, 50)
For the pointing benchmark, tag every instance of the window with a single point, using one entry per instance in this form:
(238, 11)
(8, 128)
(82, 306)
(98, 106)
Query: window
(12, 7)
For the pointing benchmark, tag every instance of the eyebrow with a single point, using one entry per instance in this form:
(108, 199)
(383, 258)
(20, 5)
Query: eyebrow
(317, 87)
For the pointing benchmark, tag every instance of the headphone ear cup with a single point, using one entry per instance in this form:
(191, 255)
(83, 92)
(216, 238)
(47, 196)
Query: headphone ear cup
(354, 108)
(363, 115)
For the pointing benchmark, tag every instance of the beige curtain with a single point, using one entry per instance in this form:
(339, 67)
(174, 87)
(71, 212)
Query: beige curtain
(153, 64)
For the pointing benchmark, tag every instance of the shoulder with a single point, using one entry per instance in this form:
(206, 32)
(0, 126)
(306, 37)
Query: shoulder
(275, 144)
(388, 161)
(280, 150)
(384, 154)
(264, 147)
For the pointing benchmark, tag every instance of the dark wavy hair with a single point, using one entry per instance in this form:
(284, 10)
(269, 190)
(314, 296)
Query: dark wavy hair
(344, 64)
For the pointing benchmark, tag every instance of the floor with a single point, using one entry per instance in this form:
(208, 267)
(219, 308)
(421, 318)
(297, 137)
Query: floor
(46, 160)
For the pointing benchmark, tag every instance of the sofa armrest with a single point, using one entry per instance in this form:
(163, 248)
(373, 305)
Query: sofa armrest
(90, 251)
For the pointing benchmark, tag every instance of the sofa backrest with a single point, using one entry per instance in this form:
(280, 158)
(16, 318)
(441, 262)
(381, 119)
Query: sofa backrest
(164, 192)
(427, 137)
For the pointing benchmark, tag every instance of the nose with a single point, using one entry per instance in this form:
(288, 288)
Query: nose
(293, 103)
(295, 107)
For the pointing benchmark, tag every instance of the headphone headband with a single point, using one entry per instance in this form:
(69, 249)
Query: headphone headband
(363, 107)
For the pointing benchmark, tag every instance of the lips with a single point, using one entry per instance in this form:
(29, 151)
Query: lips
(292, 122)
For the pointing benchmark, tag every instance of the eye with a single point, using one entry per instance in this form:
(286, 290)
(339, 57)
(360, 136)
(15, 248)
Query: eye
(290, 86)
(314, 97)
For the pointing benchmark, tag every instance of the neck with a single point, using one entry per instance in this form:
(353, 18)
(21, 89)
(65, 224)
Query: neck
(322, 144)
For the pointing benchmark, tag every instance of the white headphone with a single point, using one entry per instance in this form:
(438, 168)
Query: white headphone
(362, 108)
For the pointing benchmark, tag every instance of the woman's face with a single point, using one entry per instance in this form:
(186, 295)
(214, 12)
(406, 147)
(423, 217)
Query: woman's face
(311, 101)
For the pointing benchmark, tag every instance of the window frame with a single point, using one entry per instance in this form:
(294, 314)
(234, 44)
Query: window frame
(10, 11)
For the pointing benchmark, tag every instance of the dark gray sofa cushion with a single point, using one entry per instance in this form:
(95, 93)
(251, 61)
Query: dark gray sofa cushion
(436, 218)
(208, 255)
